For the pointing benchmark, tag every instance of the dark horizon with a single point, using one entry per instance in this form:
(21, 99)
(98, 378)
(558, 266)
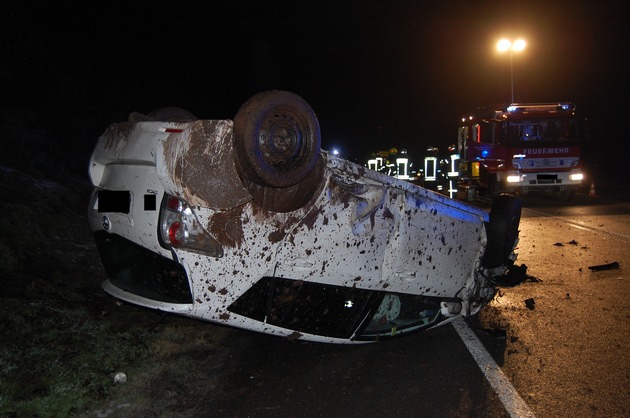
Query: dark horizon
(378, 75)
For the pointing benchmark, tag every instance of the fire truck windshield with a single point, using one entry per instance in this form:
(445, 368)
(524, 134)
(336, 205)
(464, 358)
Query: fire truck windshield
(552, 130)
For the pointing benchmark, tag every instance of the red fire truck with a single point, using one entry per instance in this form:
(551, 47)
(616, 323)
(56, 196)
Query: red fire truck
(520, 148)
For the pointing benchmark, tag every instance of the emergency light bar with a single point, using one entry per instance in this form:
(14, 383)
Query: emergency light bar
(540, 107)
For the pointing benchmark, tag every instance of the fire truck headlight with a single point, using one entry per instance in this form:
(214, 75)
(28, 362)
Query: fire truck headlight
(576, 176)
(513, 179)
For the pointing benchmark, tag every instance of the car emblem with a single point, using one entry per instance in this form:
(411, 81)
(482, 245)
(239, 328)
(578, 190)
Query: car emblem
(106, 223)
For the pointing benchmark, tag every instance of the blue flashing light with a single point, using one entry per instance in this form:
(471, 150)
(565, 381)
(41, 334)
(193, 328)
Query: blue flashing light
(485, 153)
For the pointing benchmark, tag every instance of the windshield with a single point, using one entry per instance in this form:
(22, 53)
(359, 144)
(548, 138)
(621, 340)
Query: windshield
(555, 130)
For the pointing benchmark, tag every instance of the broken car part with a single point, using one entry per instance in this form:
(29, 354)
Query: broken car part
(602, 267)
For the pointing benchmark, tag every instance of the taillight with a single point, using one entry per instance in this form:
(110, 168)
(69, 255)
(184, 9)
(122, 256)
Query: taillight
(173, 203)
(180, 228)
(176, 234)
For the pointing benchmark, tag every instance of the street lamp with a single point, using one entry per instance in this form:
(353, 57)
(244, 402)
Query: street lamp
(506, 45)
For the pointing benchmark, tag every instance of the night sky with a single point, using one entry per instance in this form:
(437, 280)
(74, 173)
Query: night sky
(379, 74)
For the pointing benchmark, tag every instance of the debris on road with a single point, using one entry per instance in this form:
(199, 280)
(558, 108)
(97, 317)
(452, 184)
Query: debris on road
(530, 303)
(602, 267)
(514, 276)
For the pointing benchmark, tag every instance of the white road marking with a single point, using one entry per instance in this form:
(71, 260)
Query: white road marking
(512, 401)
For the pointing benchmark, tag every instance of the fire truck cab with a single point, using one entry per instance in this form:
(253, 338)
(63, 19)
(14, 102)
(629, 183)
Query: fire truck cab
(520, 148)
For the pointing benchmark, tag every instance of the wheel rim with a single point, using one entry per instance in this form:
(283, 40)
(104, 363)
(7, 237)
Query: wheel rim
(281, 140)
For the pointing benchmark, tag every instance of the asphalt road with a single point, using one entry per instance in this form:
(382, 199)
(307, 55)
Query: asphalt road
(567, 355)
(559, 340)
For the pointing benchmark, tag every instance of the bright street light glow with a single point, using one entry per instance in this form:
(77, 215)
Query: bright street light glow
(518, 45)
(507, 45)
(503, 45)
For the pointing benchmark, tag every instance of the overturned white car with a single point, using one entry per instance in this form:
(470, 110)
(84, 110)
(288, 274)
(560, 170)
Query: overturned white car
(248, 223)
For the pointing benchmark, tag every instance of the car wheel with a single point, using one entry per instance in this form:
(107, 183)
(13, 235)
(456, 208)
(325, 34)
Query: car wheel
(288, 199)
(276, 139)
(502, 229)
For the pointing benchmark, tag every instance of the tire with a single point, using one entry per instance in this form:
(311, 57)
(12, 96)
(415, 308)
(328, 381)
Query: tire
(288, 199)
(277, 139)
(502, 230)
(566, 195)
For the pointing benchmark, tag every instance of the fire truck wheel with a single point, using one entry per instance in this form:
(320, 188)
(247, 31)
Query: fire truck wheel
(502, 229)
(566, 195)
(493, 187)
(276, 139)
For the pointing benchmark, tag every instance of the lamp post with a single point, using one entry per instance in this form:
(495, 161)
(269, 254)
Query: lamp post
(506, 45)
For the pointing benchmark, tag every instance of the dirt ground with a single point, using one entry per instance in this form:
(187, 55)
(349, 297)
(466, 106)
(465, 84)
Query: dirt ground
(63, 339)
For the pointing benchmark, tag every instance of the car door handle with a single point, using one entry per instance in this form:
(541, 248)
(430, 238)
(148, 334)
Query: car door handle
(406, 274)
(298, 262)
